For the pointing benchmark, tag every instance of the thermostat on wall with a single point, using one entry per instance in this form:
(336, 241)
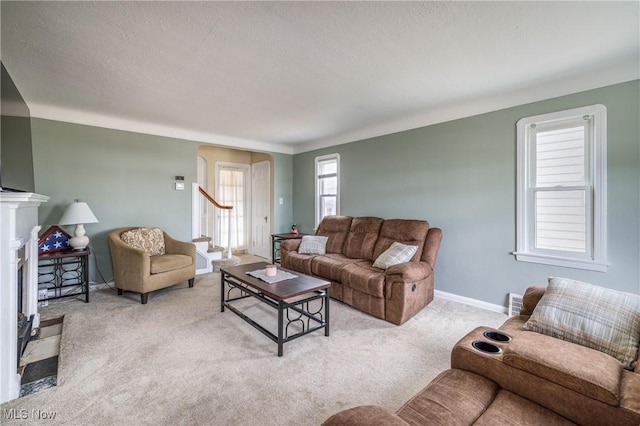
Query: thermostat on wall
(179, 186)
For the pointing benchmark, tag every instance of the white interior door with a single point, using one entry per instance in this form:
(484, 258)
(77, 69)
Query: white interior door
(261, 209)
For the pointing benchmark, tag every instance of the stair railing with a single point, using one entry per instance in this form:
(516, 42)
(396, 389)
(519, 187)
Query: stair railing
(223, 208)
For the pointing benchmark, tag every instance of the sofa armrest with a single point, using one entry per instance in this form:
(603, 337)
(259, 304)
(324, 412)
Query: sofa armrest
(366, 415)
(290, 245)
(431, 246)
(286, 247)
(531, 298)
(409, 271)
(173, 246)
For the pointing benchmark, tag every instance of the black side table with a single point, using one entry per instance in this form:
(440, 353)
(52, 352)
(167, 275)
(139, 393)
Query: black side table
(276, 239)
(64, 273)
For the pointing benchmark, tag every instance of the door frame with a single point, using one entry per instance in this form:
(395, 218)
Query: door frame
(269, 209)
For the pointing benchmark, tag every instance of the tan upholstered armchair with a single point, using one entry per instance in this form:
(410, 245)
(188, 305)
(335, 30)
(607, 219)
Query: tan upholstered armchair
(149, 260)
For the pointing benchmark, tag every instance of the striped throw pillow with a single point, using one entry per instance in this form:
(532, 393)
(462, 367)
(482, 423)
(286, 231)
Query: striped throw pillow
(313, 244)
(599, 318)
(395, 254)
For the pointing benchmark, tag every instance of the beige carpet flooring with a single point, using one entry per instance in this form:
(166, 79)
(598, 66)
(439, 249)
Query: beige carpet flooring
(179, 361)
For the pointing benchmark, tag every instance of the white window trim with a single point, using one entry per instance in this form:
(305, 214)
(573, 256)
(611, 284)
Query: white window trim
(317, 183)
(597, 156)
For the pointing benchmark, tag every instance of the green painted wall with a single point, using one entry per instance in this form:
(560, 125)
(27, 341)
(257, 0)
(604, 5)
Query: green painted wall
(126, 178)
(283, 184)
(461, 176)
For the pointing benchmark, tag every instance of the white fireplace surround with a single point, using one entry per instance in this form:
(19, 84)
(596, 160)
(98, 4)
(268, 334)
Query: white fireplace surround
(18, 230)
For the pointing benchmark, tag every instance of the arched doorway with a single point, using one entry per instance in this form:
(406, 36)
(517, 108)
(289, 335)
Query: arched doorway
(244, 180)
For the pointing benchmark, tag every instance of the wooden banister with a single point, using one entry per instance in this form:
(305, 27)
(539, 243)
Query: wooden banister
(212, 201)
(221, 207)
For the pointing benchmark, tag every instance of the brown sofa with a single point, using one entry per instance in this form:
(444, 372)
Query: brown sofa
(354, 243)
(534, 379)
(135, 270)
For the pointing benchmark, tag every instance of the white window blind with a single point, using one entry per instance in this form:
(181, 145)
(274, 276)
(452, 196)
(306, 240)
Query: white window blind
(327, 186)
(562, 188)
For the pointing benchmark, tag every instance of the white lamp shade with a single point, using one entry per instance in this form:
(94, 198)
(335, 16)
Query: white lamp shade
(78, 212)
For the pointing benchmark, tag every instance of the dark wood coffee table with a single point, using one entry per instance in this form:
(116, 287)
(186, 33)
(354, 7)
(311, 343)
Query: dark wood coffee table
(285, 296)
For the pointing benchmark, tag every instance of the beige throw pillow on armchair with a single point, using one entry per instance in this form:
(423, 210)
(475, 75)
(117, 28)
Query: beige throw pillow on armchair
(150, 240)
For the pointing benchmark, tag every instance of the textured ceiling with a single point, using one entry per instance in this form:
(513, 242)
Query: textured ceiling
(290, 76)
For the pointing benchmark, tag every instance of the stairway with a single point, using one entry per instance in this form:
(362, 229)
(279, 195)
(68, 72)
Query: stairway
(209, 252)
(215, 256)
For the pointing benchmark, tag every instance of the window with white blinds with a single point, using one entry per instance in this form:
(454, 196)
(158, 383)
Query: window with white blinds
(562, 188)
(327, 186)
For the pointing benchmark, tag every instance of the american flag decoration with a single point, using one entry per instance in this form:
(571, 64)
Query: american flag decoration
(54, 239)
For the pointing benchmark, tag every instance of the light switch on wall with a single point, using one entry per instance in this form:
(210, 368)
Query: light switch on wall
(281, 200)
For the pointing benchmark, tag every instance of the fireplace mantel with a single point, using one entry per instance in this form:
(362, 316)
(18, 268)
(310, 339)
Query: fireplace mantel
(18, 229)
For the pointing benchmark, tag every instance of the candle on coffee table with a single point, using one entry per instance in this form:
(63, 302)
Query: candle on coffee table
(271, 270)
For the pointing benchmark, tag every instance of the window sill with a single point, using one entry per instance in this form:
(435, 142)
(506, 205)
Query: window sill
(590, 265)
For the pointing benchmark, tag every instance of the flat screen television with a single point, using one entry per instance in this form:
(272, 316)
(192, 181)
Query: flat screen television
(16, 156)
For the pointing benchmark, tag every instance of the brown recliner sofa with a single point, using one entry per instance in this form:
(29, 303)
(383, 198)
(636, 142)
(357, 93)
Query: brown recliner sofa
(533, 379)
(354, 243)
(136, 270)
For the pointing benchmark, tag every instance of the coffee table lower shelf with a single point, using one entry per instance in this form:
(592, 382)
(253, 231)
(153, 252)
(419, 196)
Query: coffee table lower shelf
(310, 320)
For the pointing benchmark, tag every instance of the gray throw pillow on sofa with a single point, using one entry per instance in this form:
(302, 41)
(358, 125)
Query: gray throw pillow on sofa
(313, 244)
(599, 318)
(397, 253)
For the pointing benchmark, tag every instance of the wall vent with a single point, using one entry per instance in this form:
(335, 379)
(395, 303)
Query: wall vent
(515, 304)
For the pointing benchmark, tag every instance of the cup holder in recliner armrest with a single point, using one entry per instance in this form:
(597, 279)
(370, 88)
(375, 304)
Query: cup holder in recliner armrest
(497, 336)
(486, 347)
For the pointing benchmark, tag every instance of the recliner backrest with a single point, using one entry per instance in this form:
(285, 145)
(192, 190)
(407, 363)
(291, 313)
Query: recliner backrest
(405, 231)
(336, 228)
(362, 237)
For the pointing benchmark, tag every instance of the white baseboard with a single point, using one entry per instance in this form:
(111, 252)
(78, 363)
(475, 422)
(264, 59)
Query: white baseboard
(471, 302)
(93, 286)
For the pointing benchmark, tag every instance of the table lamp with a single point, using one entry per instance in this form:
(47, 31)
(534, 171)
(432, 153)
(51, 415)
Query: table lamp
(78, 213)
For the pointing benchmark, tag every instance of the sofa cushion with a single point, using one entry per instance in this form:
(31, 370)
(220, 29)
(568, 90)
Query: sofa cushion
(364, 278)
(169, 262)
(330, 265)
(603, 319)
(336, 228)
(584, 370)
(409, 232)
(313, 244)
(454, 397)
(396, 253)
(298, 262)
(511, 409)
(150, 240)
(365, 415)
(362, 237)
